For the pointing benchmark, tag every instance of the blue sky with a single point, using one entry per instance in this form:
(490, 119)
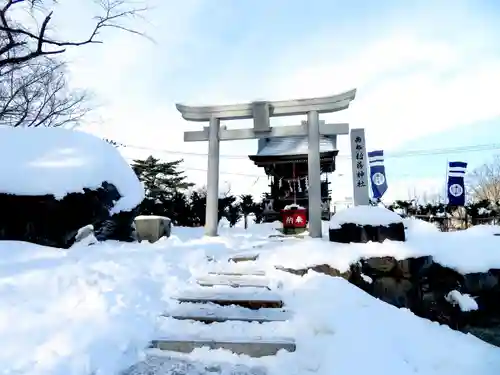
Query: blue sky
(427, 74)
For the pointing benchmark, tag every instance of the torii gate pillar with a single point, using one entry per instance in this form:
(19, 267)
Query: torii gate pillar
(261, 112)
(314, 174)
(211, 219)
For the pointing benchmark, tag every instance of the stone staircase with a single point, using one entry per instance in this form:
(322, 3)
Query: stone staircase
(230, 295)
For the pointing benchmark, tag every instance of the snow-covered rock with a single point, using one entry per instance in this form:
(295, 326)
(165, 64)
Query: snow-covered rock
(57, 181)
(152, 227)
(364, 215)
(366, 223)
(57, 161)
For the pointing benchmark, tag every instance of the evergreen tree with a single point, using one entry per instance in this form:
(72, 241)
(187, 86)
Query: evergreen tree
(258, 210)
(233, 214)
(180, 210)
(198, 203)
(227, 207)
(247, 207)
(163, 183)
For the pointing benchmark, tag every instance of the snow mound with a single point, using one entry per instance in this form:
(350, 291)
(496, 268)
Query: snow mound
(364, 215)
(224, 223)
(484, 229)
(354, 333)
(418, 226)
(56, 161)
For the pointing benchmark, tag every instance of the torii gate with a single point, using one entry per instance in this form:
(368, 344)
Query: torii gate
(260, 112)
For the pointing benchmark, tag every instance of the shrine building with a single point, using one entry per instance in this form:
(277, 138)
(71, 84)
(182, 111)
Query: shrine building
(284, 161)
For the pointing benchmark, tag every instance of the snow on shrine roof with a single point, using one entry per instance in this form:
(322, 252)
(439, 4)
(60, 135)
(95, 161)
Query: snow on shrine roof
(294, 145)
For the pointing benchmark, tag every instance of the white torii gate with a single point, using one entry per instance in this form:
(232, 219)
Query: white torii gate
(261, 112)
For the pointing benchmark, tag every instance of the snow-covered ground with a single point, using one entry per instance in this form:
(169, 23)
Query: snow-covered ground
(92, 310)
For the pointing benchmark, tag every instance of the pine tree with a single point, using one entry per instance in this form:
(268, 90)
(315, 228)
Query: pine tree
(247, 207)
(258, 211)
(198, 200)
(162, 183)
(233, 214)
(198, 203)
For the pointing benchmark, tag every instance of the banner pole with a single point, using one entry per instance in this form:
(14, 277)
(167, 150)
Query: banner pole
(446, 184)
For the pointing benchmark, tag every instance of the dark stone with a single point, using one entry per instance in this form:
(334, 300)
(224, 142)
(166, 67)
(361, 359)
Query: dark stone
(47, 221)
(490, 334)
(495, 272)
(486, 291)
(409, 268)
(441, 279)
(118, 227)
(322, 268)
(435, 307)
(355, 277)
(402, 269)
(330, 271)
(299, 272)
(378, 266)
(350, 232)
(478, 282)
(419, 265)
(395, 292)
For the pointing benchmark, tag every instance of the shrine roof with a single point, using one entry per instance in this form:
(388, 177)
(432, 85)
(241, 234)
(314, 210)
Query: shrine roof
(296, 145)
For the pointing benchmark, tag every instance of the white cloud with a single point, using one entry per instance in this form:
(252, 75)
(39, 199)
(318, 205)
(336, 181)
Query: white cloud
(407, 87)
(423, 73)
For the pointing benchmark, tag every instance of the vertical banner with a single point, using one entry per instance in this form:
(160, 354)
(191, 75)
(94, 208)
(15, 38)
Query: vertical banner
(377, 173)
(361, 195)
(456, 183)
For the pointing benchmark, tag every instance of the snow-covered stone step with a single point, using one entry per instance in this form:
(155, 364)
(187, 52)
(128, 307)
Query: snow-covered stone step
(245, 257)
(214, 313)
(237, 271)
(165, 363)
(283, 237)
(234, 281)
(253, 347)
(253, 298)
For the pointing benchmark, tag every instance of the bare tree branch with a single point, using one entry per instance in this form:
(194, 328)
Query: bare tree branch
(485, 181)
(31, 44)
(36, 94)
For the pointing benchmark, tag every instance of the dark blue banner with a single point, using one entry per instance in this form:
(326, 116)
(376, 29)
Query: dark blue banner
(456, 184)
(377, 173)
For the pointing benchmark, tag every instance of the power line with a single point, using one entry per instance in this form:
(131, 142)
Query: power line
(182, 152)
(227, 173)
(402, 154)
(220, 172)
(392, 155)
